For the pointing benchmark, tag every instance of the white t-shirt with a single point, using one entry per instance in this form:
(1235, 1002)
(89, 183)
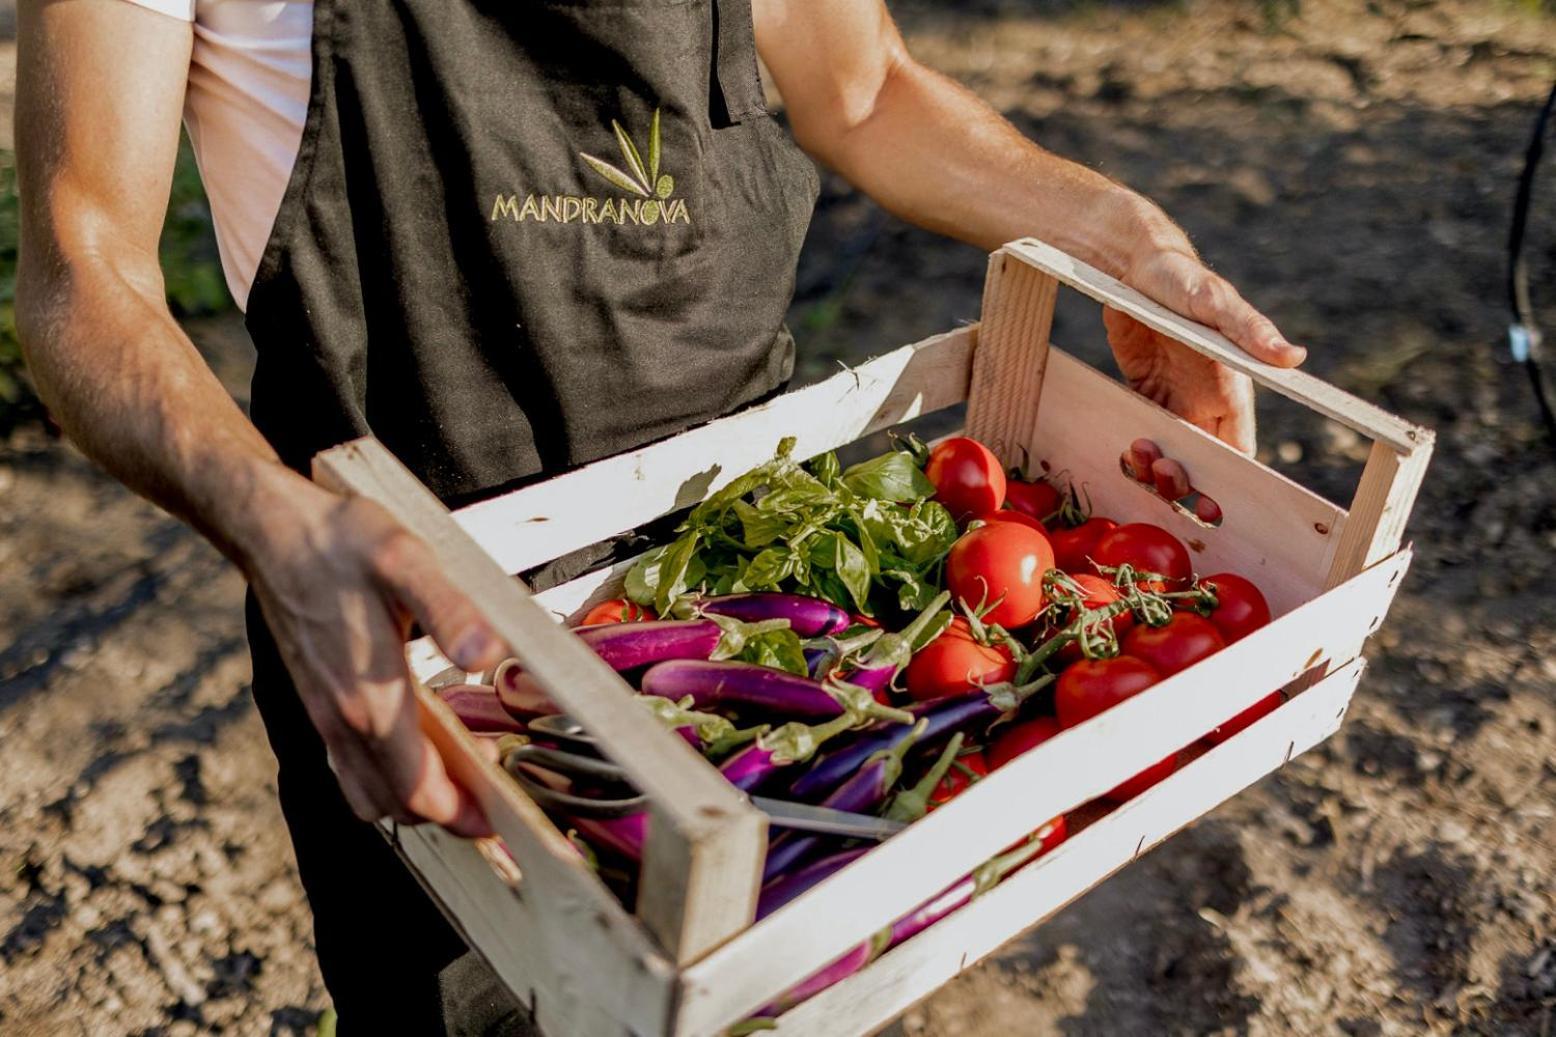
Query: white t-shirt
(247, 99)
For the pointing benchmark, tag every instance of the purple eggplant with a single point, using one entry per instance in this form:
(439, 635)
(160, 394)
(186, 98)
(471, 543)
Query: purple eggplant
(725, 684)
(623, 835)
(632, 646)
(911, 804)
(761, 763)
(519, 693)
(946, 716)
(891, 652)
(863, 793)
(808, 617)
(780, 892)
(851, 962)
(479, 709)
(960, 893)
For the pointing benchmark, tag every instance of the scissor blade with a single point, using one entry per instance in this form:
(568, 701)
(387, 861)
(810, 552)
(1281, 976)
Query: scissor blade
(825, 820)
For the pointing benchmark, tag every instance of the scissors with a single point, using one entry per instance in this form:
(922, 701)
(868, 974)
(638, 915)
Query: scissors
(595, 787)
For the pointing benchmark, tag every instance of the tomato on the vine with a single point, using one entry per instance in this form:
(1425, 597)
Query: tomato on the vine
(956, 780)
(967, 477)
(1097, 593)
(1019, 518)
(617, 610)
(1179, 643)
(1073, 547)
(1000, 567)
(1093, 685)
(1037, 499)
(955, 662)
(1016, 739)
(1149, 549)
(1240, 607)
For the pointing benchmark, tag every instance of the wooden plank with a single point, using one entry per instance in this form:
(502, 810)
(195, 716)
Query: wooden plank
(1328, 400)
(1274, 531)
(538, 523)
(690, 801)
(1380, 509)
(1007, 368)
(543, 943)
(1072, 768)
(908, 973)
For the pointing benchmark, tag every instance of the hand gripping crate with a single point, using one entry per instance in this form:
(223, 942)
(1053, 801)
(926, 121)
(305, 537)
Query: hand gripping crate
(687, 960)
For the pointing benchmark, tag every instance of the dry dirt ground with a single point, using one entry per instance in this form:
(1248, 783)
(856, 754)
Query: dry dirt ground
(1350, 165)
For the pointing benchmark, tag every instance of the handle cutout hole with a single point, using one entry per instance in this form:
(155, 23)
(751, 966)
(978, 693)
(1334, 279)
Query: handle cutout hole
(1199, 508)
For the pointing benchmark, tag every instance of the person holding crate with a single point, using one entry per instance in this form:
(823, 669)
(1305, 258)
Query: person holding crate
(506, 240)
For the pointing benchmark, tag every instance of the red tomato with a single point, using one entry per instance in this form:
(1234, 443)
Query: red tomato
(1184, 640)
(1019, 518)
(617, 610)
(1099, 592)
(1016, 739)
(1263, 707)
(954, 662)
(1093, 685)
(1148, 548)
(1000, 566)
(956, 780)
(1037, 499)
(1073, 547)
(1240, 608)
(1052, 834)
(967, 476)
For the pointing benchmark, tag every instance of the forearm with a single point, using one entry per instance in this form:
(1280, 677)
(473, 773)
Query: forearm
(936, 155)
(130, 389)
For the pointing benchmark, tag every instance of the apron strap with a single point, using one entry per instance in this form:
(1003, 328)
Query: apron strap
(735, 73)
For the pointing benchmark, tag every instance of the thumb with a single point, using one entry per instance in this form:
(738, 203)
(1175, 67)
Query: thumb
(407, 571)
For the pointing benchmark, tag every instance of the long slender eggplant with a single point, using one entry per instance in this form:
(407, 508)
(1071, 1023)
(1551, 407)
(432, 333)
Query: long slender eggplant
(956, 896)
(946, 716)
(725, 684)
(762, 763)
(808, 617)
(861, 794)
(478, 708)
(960, 893)
(778, 893)
(891, 652)
(632, 646)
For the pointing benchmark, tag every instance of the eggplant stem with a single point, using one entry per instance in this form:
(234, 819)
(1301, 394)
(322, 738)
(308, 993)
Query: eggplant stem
(911, 804)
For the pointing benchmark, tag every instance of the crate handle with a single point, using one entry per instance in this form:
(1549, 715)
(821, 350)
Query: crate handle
(1012, 355)
(706, 842)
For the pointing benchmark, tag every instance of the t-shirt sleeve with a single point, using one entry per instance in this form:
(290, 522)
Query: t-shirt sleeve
(184, 10)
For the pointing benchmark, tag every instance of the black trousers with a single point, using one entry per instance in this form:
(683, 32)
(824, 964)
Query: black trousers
(391, 962)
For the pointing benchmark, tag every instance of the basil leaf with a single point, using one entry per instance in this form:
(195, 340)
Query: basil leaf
(779, 649)
(758, 528)
(854, 571)
(892, 476)
(642, 580)
(826, 469)
(674, 570)
(768, 569)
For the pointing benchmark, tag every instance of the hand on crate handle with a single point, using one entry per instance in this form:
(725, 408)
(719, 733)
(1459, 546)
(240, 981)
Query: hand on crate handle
(340, 583)
(1196, 388)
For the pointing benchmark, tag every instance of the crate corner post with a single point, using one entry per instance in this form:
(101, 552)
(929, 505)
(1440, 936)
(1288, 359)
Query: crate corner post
(1011, 356)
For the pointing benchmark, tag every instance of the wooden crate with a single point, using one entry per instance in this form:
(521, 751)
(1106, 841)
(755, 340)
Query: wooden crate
(687, 960)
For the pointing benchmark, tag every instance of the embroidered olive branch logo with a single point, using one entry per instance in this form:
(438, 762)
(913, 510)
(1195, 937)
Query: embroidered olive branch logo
(640, 178)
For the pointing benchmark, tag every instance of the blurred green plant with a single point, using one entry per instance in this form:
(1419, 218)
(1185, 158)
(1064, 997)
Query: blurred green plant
(190, 263)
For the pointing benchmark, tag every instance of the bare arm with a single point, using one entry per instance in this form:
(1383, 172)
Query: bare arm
(100, 91)
(931, 152)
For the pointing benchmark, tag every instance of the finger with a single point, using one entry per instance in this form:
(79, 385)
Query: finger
(414, 772)
(1237, 428)
(408, 571)
(1213, 300)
